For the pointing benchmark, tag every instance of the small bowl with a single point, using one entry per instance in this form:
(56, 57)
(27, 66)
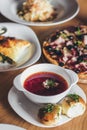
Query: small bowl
(70, 76)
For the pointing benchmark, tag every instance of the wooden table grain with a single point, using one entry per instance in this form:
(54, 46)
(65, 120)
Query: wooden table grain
(7, 114)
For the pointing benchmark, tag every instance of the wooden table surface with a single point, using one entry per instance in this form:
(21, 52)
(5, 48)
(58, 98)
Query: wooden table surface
(7, 114)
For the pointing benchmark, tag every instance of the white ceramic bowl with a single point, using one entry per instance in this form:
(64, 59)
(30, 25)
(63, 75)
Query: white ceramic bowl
(70, 76)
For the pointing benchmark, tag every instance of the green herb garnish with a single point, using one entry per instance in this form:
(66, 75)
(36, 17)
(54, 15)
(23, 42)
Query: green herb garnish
(78, 32)
(74, 97)
(78, 43)
(46, 109)
(4, 58)
(63, 35)
(3, 30)
(50, 83)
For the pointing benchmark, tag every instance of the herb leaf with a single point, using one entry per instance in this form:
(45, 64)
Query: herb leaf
(4, 58)
(47, 109)
(50, 83)
(74, 97)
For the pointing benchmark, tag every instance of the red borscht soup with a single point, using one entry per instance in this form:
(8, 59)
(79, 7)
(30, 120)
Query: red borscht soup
(45, 84)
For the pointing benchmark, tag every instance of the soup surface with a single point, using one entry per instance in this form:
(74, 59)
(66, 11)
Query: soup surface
(45, 83)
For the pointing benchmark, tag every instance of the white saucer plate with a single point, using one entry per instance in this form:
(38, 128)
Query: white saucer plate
(25, 33)
(66, 10)
(29, 111)
(10, 127)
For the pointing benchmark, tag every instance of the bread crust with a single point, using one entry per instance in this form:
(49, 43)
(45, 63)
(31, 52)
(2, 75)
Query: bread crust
(52, 117)
(11, 47)
(47, 55)
(68, 103)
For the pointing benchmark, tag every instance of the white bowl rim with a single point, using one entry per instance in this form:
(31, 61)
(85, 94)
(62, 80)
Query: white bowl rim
(36, 95)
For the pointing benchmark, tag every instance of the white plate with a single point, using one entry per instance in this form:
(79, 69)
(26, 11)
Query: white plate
(10, 127)
(67, 10)
(28, 110)
(25, 33)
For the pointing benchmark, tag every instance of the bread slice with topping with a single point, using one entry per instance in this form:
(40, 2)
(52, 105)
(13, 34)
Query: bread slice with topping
(49, 114)
(73, 105)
